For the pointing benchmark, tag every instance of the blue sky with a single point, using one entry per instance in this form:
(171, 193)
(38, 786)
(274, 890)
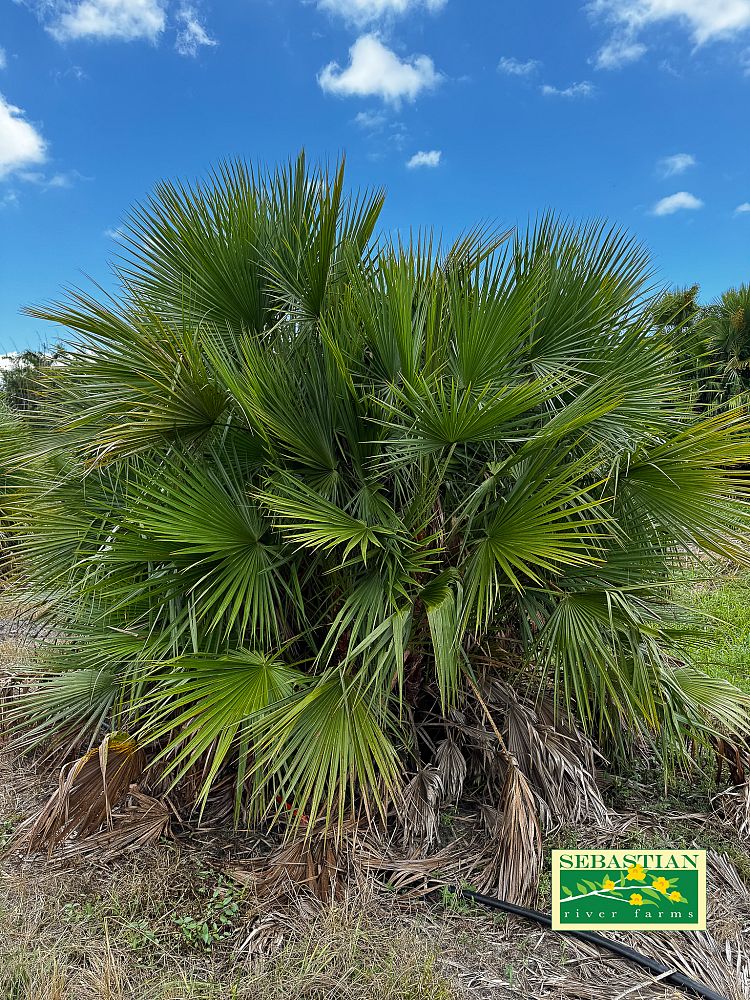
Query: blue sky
(466, 111)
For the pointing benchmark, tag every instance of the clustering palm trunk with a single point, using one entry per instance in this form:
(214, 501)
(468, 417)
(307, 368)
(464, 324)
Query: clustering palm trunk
(368, 526)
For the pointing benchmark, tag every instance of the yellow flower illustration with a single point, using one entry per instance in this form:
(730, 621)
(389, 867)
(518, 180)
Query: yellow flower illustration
(675, 897)
(608, 884)
(636, 873)
(636, 899)
(661, 884)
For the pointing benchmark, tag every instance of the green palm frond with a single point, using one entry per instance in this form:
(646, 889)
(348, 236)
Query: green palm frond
(319, 751)
(309, 520)
(65, 709)
(205, 706)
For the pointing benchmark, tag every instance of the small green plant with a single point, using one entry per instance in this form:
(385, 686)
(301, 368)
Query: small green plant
(79, 912)
(454, 901)
(138, 934)
(7, 827)
(217, 921)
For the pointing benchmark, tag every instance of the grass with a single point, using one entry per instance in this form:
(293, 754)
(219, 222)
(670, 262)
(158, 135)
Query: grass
(95, 938)
(727, 601)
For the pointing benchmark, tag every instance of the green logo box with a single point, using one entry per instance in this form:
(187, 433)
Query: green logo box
(629, 890)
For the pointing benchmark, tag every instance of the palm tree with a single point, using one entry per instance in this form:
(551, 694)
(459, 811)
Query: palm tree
(358, 524)
(728, 327)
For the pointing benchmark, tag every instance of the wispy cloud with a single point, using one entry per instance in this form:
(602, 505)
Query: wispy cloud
(125, 20)
(361, 12)
(582, 89)
(670, 166)
(9, 199)
(425, 158)
(618, 52)
(515, 67)
(191, 33)
(743, 209)
(371, 121)
(679, 202)
(705, 20)
(3, 58)
(21, 144)
(376, 71)
(50, 182)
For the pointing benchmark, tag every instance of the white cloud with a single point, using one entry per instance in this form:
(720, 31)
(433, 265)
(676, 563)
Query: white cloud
(682, 201)
(191, 34)
(707, 20)
(3, 58)
(514, 67)
(376, 71)
(429, 158)
(21, 145)
(670, 166)
(126, 20)
(368, 11)
(743, 209)
(619, 51)
(583, 89)
(115, 233)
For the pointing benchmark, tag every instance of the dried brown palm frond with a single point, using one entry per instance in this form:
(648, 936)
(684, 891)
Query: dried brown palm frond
(420, 808)
(314, 866)
(558, 761)
(141, 821)
(722, 966)
(88, 790)
(732, 754)
(721, 872)
(511, 864)
(733, 806)
(264, 937)
(451, 765)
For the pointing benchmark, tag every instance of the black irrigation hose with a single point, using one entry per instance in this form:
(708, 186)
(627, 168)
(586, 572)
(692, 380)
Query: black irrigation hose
(666, 974)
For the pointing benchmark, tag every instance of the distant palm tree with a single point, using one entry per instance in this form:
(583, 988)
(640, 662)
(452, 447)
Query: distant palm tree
(357, 524)
(728, 327)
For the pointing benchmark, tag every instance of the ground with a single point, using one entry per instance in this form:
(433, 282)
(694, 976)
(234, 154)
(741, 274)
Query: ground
(170, 923)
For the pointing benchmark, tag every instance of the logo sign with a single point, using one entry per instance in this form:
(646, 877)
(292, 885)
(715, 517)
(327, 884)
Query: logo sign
(629, 890)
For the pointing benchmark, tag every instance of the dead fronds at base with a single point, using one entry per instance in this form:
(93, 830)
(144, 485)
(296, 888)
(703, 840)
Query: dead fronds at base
(312, 867)
(88, 791)
(509, 865)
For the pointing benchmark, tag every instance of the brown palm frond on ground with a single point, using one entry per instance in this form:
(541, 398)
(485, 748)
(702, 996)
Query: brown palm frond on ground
(265, 936)
(315, 866)
(88, 790)
(140, 822)
(723, 966)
